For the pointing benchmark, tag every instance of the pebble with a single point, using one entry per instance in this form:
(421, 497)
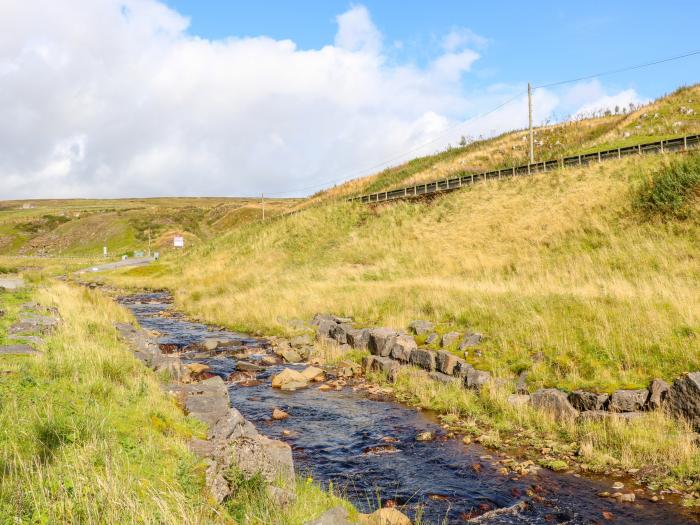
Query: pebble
(618, 485)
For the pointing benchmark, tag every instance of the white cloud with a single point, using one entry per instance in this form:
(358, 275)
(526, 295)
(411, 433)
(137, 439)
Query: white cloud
(114, 98)
(460, 38)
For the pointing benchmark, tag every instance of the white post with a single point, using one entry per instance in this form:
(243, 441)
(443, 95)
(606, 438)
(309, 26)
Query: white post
(262, 200)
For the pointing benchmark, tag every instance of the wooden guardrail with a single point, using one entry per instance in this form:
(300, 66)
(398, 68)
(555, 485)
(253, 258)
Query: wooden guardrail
(454, 183)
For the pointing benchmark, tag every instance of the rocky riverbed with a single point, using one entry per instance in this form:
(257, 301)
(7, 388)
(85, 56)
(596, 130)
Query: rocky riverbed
(379, 452)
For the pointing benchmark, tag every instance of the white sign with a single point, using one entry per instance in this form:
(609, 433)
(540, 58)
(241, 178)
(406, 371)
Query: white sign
(179, 242)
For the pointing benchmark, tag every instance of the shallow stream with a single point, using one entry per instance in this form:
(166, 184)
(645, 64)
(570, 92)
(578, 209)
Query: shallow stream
(368, 449)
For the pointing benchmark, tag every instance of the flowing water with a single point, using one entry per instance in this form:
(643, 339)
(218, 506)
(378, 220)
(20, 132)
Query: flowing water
(367, 448)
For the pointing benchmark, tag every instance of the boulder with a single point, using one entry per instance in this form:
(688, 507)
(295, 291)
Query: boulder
(521, 385)
(401, 351)
(245, 366)
(604, 415)
(684, 399)
(628, 400)
(381, 341)
(554, 402)
(300, 341)
(20, 349)
(270, 458)
(444, 378)
(475, 379)
(311, 373)
(348, 369)
(420, 327)
(462, 369)
(446, 362)
(334, 516)
(326, 328)
(658, 392)
(358, 338)
(385, 365)
(206, 401)
(387, 516)
(318, 318)
(210, 344)
(583, 400)
(469, 341)
(339, 333)
(289, 355)
(449, 339)
(423, 358)
(289, 379)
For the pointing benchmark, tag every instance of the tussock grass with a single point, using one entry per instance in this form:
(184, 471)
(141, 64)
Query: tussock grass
(670, 191)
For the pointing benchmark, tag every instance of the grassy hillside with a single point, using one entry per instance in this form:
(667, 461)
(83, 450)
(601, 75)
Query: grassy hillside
(672, 115)
(586, 277)
(82, 227)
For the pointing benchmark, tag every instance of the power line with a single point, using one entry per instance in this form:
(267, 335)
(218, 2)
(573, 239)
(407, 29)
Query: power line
(621, 70)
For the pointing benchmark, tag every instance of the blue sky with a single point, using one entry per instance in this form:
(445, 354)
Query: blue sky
(540, 41)
(185, 97)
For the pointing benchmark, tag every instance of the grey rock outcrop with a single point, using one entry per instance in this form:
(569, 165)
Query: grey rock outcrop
(476, 379)
(684, 399)
(422, 358)
(402, 348)
(334, 516)
(358, 338)
(420, 327)
(449, 339)
(584, 401)
(446, 362)
(658, 392)
(554, 402)
(381, 341)
(469, 341)
(628, 400)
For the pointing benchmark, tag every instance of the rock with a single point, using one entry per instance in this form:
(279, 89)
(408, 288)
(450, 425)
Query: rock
(311, 373)
(318, 318)
(602, 415)
(521, 385)
(420, 327)
(269, 360)
(401, 351)
(279, 415)
(339, 333)
(348, 369)
(197, 369)
(446, 362)
(244, 366)
(210, 344)
(173, 369)
(20, 349)
(582, 400)
(618, 485)
(326, 328)
(334, 516)
(432, 339)
(358, 338)
(462, 369)
(518, 400)
(386, 516)
(270, 458)
(423, 358)
(425, 436)
(625, 498)
(658, 392)
(385, 365)
(290, 356)
(289, 379)
(628, 400)
(469, 341)
(449, 339)
(554, 402)
(301, 340)
(325, 388)
(381, 341)
(684, 399)
(475, 379)
(207, 400)
(443, 378)
(11, 283)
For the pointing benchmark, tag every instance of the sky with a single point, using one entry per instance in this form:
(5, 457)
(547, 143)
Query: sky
(122, 98)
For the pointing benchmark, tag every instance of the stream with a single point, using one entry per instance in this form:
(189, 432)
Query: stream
(367, 448)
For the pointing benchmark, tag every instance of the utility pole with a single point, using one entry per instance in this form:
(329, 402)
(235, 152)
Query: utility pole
(529, 112)
(149, 242)
(262, 199)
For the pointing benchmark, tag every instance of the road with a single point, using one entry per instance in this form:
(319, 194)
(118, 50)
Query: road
(136, 261)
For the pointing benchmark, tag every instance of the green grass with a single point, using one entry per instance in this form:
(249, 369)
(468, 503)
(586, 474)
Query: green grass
(670, 191)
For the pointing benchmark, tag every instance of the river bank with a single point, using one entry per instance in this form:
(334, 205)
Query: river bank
(360, 434)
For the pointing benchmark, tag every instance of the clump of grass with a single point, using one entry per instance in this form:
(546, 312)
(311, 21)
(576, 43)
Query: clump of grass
(669, 192)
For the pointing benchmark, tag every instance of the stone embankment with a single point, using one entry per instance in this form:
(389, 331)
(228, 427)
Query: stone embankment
(391, 349)
(233, 445)
(27, 334)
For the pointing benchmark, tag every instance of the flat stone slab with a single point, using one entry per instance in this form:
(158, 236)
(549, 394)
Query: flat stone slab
(18, 350)
(11, 283)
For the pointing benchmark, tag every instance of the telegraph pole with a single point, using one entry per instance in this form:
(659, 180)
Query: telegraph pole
(529, 111)
(262, 199)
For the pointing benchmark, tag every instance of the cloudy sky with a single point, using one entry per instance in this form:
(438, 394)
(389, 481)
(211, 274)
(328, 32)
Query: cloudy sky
(115, 98)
